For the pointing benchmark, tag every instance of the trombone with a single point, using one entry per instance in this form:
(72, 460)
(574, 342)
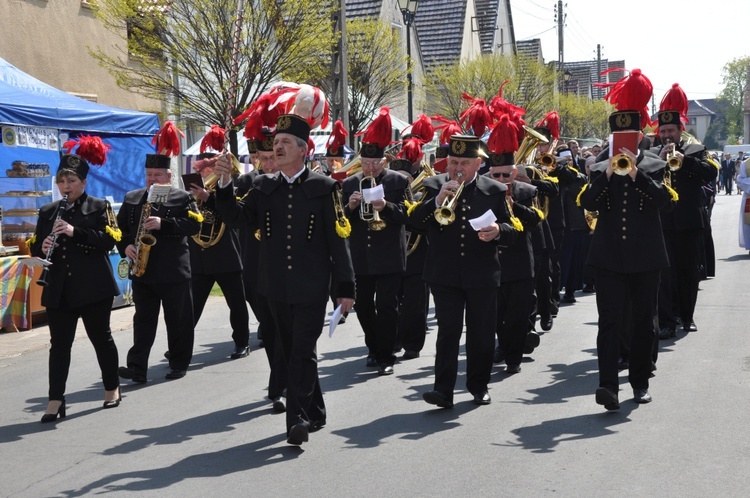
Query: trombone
(366, 211)
(446, 213)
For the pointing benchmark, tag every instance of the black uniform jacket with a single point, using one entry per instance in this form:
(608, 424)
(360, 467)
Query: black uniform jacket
(688, 182)
(299, 248)
(250, 244)
(455, 255)
(541, 236)
(517, 260)
(222, 257)
(556, 215)
(81, 273)
(628, 236)
(384, 251)
(169, 258)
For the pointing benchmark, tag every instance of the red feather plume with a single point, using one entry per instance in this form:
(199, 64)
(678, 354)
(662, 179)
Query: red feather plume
(477, 116)
(380, 130)
(310, 147)
(423, 128)
(338, 136)
(552, 122)
(449, 128)
(499, 106)
(412, 149)
(214, 139)
(504, 136)
(90, 148)
(167, 140)
(675, 100)
(631, 93)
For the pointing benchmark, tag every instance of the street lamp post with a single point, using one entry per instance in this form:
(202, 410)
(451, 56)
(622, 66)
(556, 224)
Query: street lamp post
(408, 10)
(566, 79)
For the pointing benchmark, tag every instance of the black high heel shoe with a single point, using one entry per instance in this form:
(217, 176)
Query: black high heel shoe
(113, 403)
(51, 417)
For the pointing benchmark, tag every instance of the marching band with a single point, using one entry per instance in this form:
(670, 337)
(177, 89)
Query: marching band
(505, 222)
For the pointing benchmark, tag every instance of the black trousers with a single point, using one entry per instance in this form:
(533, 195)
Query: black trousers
(542, 273)
(277, 362)
(684, 251)
(572, 259)
(231, 285)
(558, 235)
(377, 312)
(62, 328)
(481, 318)
(252, 296)
(619, 295)
(177, 300)
(412, 311)
(514, 301)
(298, 328)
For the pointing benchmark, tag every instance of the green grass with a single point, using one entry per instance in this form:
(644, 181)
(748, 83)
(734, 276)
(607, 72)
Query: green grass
(216, 291)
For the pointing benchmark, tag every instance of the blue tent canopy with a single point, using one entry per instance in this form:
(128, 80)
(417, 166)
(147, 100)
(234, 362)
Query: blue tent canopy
(26, 101)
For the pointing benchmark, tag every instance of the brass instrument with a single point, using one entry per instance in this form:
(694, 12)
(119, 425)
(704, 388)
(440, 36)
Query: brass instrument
(48, 257)
(622, 164)
(591, 218)
(673, 161)
(353, 166)
(143, 243)
(212, 229)
(446, 213)
(426, 172)
(548, 159)
(366, 211)
(412, 238)
(531, 140)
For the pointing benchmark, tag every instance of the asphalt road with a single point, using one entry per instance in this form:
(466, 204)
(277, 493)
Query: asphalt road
(213, 433)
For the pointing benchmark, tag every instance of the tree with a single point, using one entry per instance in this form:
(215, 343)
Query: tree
(735, 78)
(181, 51)
(530, 86)
(584, 118)
(376, 71)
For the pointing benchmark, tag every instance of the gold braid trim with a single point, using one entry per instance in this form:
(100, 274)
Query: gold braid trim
(411, 206)
(672, 192)
(31, 240)
(343, 227)
(517, 225)
(571, 168)
(196, 216)
(578, 197)
(553, 179)
(115, 233)
(538, 211)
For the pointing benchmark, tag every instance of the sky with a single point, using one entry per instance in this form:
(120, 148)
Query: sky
(671, 41)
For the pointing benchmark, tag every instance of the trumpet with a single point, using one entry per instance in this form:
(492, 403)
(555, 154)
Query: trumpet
(446, 213)
(548, 159)
(366, 211)
(622, 164)
(673, 161)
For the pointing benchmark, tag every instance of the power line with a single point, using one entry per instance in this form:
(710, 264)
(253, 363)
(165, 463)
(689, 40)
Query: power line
(582, 28)
(531, 37)
(529, 14)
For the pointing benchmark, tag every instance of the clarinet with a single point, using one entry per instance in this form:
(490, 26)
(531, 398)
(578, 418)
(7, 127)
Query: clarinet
(48, 258)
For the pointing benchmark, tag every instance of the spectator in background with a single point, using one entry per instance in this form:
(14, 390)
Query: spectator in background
(727, 174)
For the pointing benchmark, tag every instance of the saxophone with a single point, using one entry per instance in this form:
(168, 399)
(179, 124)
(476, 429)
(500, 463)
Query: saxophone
(143, 242)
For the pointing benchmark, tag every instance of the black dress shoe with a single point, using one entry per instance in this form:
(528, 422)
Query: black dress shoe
(690, 327)
(316, 425)
(554, 308)
(279, 405)
(531, 342)
(371, 362)
(568, 298)
(240, 352)
(385, 370)
(667, 333)
(128, 373)
(410, 355)
(52, 417)
(438, 398)
(607, 398)
(482, 398)
(588, 289)
(546, 323)
(641, 396)
(167, 354)
(513, 369)
(112, 403)
(175, 373)
(298, 434)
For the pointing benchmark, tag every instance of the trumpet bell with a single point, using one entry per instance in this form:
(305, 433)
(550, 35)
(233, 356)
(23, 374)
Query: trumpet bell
(445, 215)
(531, 140)
(622, 164)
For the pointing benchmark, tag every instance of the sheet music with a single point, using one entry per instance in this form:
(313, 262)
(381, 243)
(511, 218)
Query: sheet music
(159, 193)
(487, 219)
(373, 194)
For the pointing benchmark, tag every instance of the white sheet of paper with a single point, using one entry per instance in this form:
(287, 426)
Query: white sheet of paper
(487, 219)
(34, 262)
(334, 320)
(373, 194)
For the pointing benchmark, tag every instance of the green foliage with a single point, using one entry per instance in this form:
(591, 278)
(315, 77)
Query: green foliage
(584, 118)
(735, 79)
(181, 51)
(530, 86)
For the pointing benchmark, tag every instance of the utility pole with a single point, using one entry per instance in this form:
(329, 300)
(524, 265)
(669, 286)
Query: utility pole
(339, 98)
(598, 70)
(561, 52)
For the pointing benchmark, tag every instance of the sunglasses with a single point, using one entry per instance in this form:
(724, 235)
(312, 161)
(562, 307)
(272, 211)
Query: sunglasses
(504, 175)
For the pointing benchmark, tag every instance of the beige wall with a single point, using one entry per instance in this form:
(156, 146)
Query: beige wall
(48, 39)
(470, 46)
